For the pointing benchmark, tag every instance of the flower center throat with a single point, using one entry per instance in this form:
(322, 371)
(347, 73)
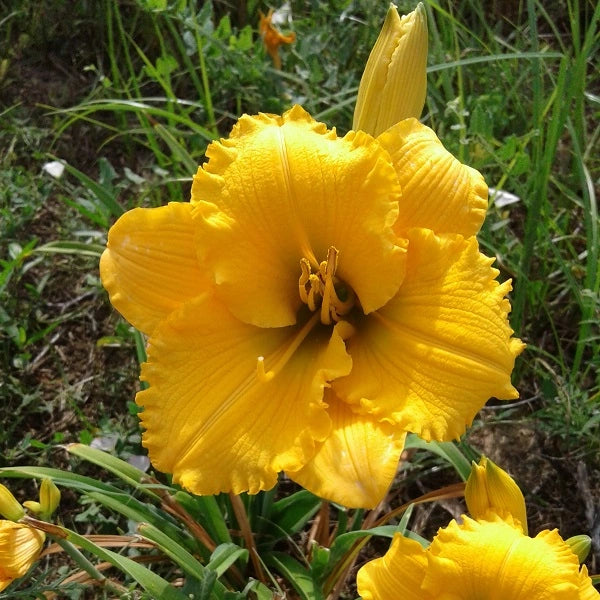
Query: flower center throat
(323, 291)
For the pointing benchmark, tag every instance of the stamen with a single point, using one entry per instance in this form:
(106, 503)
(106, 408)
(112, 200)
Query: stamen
(314, 290)
(304, 277)
(266, 376)
(318, 290)
(327, 306)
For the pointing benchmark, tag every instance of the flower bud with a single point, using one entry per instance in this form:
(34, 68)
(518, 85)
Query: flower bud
(10, 508)
(394, 83)
(580, 546)
(33, 506)
(49, 497)
(490, 489)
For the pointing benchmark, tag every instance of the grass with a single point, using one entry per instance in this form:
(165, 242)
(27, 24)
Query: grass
(141, 88)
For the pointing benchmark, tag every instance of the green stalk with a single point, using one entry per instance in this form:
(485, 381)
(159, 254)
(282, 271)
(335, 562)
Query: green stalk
(212, 123)
(83, 563)
(538, 187)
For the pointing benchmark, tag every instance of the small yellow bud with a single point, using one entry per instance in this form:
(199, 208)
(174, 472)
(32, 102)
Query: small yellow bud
(33, 506)
(49, 497)
(10, 508)
(394, 83)
(491, 489)
(580, 546)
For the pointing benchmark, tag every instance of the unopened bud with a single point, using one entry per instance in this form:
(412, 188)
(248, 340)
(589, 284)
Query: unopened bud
(491, 489)
(33, 506)
(49, 497)
(10, 508)
(580, 546)
(394, 83)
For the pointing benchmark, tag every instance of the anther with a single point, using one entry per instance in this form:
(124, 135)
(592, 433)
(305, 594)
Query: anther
(304, 278)
(315, 290)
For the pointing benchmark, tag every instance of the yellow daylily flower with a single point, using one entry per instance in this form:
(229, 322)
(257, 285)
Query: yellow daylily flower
(490, 488)
(393, 86)
(490, 556)
(478, 559)
(319, 297)
(20, 546)
(272, 38)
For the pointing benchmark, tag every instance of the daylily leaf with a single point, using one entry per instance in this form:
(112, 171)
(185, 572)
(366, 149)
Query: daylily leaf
(61, 478)
(293, 512)
(155, 585)
(447, 450)
(124, 470)
(206, 511)
(296, 574)
(139, 512)
(224, 556)
(181, 556)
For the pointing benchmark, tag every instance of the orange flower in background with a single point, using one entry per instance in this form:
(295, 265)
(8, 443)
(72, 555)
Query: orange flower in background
(272, 38)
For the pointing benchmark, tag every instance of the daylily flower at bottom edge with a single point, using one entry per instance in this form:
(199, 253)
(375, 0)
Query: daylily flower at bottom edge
(467, 561)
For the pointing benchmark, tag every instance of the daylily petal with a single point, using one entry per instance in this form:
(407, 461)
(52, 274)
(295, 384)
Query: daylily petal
(397, 574)
(476, 556)
(20, 546)
(149, 267)
(212, 420)
(357, 462)
(285, 188)
(432, 356)
(438, 191)
(586, 589)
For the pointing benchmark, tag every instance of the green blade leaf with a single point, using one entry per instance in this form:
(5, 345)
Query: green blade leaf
(224, 556)
(128, 473)
(60, 478)
(181, 556)
(139, 512)
(155, 585)
(206, 511)
(447, 450)
(296, 574)
(293, 512)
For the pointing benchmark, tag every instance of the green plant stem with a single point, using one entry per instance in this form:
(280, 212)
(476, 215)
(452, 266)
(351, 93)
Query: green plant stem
(210, 111)
(79, 559)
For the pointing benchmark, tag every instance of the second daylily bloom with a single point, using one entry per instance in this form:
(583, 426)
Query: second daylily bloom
(487, 557)
(478, 559)
(318, 298)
